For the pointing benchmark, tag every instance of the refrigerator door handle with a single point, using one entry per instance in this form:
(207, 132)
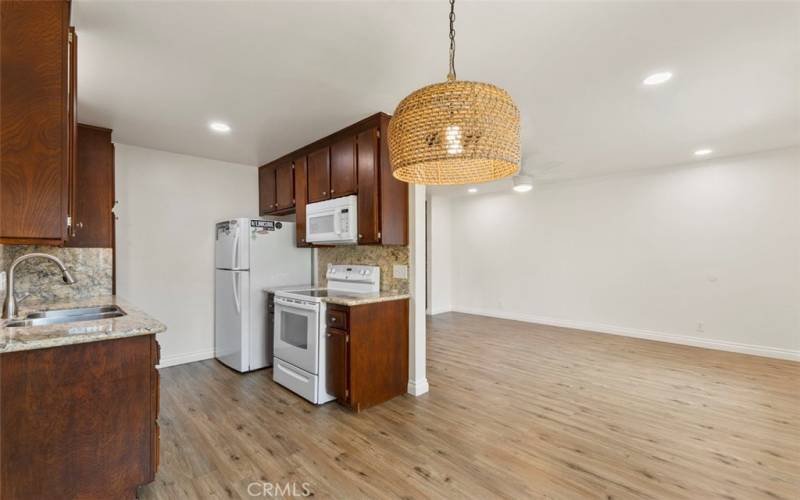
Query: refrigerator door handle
(236, 299)
(235, 256)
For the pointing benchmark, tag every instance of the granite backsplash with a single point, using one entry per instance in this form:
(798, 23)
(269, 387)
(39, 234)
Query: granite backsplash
(91, 268)
(384, 256)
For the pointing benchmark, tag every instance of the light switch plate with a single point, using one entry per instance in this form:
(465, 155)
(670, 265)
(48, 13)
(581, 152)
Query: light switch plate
(400, 271)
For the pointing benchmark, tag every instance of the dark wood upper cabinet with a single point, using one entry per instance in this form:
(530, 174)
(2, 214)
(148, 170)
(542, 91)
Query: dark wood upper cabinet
(300, 196)
(343, 167)
(93, 189)
(36, 121)
(319, 175)
(368, 186)
(354, 160)
(284, 186)
(393, 195)
(267, 194)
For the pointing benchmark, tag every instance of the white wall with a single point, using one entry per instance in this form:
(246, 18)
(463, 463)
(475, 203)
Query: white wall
(165, 239)
(651, 254)
(439, 255)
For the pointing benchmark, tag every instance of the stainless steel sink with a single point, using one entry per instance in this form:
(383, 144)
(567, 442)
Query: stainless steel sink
(66, 316)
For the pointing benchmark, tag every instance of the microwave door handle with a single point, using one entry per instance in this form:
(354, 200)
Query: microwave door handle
(337, 221)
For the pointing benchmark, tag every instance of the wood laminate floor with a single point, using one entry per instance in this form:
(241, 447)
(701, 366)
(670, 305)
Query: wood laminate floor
(515, 411)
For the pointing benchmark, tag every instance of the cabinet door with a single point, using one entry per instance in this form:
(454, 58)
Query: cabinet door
(93, 189)
(300, 196)
(368, 209)
(266, 190)
(72, 121)
(343, 167)
(394, 196)
(319, 175)
(336, 364)
(284, 186)
(34, 122)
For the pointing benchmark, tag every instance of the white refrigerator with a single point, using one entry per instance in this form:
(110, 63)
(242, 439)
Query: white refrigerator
(250, 255)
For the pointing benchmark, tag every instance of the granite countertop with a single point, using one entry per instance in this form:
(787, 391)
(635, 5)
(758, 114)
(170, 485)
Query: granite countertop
(345, 299)
(134, 323)
(368, 298)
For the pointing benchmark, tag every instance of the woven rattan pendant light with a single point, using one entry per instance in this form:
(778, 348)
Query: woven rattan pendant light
(455, 132)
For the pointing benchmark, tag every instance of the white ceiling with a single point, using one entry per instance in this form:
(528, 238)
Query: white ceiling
(284, 74)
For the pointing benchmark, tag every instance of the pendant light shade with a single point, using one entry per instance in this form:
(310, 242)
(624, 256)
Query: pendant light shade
(455, 132)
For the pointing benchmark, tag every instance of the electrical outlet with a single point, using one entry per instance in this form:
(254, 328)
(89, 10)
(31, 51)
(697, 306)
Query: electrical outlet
(700, 327)
(400, 272)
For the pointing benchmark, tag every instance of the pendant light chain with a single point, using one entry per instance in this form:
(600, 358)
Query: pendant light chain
(452, 74)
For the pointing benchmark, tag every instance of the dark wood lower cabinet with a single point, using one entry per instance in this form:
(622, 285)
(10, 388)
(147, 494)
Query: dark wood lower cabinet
(79, 421)
(336, 363)
(367, 356)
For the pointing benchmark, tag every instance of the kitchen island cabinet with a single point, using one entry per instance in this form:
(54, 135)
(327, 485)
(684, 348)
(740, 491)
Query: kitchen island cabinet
(367, 352)
(79, 407)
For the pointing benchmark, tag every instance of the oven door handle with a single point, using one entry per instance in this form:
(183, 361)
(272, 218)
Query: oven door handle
(294, 305)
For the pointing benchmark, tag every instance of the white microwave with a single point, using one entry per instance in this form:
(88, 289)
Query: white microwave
(333, 222)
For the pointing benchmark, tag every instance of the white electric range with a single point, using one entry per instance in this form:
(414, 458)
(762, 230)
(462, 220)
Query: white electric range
(299, 345)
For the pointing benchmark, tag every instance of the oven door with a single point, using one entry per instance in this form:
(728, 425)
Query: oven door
(297, 333)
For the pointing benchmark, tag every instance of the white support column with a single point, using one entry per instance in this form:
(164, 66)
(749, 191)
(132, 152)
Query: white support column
(417, 374)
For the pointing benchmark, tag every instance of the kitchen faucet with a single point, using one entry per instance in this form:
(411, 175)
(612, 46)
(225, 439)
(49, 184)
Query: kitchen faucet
(10, 306)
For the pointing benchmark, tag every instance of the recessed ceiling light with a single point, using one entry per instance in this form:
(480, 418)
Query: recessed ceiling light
(523, 183)
(703, 152)
(657, 78)
(219, 127)
(472, 190)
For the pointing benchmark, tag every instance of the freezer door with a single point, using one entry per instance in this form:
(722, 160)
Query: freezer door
(232, 248)
(231, 318)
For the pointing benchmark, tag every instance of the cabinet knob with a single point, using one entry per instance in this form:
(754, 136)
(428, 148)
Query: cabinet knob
(324, 192)
(361, 236)
(329, 335)
(333, 320)
(332, 190)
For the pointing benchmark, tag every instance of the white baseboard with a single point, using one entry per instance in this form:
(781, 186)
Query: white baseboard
(439, 310)
(720, 345)
(187, 357)
(418, 387)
